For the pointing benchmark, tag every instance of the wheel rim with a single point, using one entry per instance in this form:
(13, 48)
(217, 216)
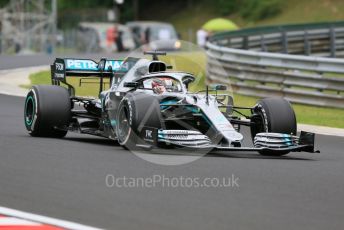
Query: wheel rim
(123, 126)
(262, 124)
(29, 110)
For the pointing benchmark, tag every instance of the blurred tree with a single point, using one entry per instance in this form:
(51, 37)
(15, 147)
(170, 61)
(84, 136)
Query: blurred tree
(72, 12)
(136, 7)
(260, 9)
(250, 9)
(226, 7)
(3, 3)
(79, 4)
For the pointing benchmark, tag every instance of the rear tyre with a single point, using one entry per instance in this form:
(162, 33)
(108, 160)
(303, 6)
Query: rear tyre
(47, 111)
(273, 115)
(135, 111)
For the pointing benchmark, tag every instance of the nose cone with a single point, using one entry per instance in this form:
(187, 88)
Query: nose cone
(233, 136)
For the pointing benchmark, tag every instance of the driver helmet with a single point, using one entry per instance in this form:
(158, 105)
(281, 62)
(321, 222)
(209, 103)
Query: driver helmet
(158, 86)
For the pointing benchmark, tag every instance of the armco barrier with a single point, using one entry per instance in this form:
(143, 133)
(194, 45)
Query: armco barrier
(310, 80)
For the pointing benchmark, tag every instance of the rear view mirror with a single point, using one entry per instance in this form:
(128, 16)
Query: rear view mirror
(218, 87)
(187, 80)
(221, 98)
(221, 87)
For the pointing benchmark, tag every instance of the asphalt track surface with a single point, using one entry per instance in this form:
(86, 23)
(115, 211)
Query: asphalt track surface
(65, 178)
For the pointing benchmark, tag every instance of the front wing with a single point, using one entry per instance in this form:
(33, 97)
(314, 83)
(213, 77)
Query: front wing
(268, 142)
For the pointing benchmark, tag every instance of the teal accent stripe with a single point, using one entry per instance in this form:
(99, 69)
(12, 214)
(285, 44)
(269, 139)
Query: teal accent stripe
(287, 139)
(29, 122)
(113, 122)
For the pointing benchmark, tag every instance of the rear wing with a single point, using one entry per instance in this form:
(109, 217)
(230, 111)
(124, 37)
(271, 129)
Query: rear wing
(64, 67)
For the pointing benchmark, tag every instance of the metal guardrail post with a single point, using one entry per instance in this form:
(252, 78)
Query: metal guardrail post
(307, 44)
(262, 43)
(332, 42)
(245, 43)
(229, 42)
(284, 42)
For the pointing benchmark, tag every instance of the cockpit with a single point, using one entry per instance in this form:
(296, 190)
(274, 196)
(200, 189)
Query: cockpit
(162, 84)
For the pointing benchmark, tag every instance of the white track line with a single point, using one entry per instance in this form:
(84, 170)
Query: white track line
(8, 221)
(12, 94)
(30, 69)
(44, 219)
(10, 80)
(323, 130)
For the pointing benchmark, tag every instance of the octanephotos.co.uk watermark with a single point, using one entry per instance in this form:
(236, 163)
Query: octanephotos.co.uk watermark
(163, 181)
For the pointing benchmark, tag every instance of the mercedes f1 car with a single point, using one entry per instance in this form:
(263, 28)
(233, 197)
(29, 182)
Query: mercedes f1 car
(149, 106)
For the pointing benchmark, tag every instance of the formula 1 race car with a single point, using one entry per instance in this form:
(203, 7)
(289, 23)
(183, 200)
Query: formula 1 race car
(148, 107)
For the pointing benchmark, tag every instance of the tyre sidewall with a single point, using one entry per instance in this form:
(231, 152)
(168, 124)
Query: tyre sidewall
(138, 105)
(31, 126)
(52, 109)
(277, 116)
(126, 104)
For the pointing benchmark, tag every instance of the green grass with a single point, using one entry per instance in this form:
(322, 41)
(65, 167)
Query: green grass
(304, 11)
(190, 19)
(87, 90)
(39, 78)
(305, 114)
(294, 11)
(191, 62)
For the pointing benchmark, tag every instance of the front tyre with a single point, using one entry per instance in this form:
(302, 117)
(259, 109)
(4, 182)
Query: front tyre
(47, 111)
(135, 111)
(273, 115)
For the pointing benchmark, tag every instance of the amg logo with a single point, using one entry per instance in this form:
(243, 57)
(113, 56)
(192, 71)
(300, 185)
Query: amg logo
(149, 134)
(59, 66)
